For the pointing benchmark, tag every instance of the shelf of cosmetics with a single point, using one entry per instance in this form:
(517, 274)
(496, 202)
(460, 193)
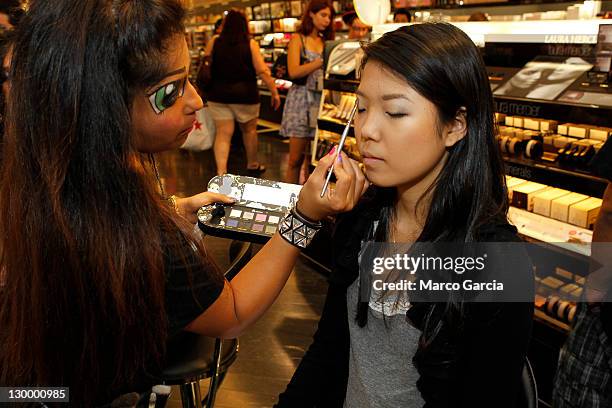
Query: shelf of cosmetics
(339, 111)
(542, 212)
(280, 25)
(275, 40)
(568, 207)
(557, 295)
(549, 141)
(537, 139)
(278, 9)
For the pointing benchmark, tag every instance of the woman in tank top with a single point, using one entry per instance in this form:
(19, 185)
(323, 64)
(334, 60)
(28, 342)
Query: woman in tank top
(233, 95)
(304, 59)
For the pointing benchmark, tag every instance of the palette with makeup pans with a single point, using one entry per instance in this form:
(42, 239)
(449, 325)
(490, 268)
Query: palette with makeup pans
(260, 205)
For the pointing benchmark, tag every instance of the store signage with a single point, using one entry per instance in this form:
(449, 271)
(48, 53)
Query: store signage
(570, 39)
(515, 108)
(521, 172)
(535, 38)
(567, 50)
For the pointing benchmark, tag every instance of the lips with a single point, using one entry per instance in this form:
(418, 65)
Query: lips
(370, 159)
(188, 129)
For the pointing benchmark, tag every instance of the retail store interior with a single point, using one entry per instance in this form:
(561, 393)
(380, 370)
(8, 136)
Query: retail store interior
(549, 65)
(543, 128)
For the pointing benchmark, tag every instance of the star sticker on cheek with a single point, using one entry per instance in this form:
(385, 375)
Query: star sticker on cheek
(197, 125)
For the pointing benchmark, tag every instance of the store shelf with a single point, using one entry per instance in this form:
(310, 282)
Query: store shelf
(551, 322)
(207, 26)
(276, 18)
(521, 32)
(273, 47)
(492, 3)
(334, 125)
(555, 110)
(448, 5)
(553, 175)
(568, 237)
(342, 85)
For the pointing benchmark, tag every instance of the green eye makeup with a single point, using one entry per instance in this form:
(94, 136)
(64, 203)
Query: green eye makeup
(166, 95)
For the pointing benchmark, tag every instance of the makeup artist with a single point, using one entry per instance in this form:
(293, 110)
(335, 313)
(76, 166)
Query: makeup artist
(97, 269)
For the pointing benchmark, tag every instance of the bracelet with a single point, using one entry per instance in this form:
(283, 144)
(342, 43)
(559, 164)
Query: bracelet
(297, 229)
(312, 224)
(172, 200)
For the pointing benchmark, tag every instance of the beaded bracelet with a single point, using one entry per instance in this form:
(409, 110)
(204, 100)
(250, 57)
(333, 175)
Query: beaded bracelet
(297, 229)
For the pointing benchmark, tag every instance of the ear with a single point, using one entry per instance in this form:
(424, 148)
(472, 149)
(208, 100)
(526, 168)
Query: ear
(456, 129)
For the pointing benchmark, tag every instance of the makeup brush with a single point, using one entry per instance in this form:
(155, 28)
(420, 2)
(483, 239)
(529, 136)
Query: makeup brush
(340, 146)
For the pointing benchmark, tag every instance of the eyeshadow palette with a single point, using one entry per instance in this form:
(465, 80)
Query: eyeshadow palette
(260, 205)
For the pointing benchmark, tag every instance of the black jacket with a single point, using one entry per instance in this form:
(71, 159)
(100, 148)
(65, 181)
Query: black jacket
(476, 366)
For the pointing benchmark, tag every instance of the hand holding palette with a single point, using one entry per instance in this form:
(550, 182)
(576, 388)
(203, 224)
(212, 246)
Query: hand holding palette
(260, 205)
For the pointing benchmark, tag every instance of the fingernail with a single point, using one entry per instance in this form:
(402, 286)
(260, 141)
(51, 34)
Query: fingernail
(340, 157)
(332, 151)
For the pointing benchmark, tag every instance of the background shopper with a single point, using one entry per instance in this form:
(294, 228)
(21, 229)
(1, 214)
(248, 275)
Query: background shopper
(233, 95)
(584, 373)
(97, 271)
(358, 30)
(402, 15)
(304, 59)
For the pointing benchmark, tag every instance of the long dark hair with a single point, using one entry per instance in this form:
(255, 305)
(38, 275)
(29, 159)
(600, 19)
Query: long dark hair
(235, 28)
(442, 64)
(84, 231)
(307, 25)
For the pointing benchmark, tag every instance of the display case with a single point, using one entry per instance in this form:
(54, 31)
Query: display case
(549, 134)
(272, 23)
(197, 36)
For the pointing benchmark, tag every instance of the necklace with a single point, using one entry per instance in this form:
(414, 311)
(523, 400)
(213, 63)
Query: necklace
(159, 182)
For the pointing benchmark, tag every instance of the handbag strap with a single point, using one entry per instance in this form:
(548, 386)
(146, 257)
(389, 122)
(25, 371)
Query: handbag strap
(303, 51)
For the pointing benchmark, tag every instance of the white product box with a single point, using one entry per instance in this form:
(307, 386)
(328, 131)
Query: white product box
(585, 212)
(600, 134)
(559, 208)
(517, 122)
(511, 183)
(543, 200)
(531, 124)
(548, 125)
(522, 195)
(578, 131)
(563, 129)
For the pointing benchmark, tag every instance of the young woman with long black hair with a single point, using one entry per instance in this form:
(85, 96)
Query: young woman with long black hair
(97, 271)
(233, 95)
(425, 128)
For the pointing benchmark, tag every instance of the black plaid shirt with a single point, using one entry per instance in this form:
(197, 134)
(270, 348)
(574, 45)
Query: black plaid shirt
(584, 376)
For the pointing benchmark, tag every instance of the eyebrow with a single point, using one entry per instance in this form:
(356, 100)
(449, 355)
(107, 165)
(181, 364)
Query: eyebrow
(176, 71)
(151, 90)
(387, 97)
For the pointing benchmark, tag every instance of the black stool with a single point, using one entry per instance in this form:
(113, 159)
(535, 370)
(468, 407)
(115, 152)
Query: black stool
(191, 357)
(528, 397)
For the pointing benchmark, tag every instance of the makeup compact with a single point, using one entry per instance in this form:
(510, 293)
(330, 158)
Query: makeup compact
(260, 205)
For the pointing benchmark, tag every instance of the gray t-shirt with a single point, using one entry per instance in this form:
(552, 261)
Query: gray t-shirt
(381, 373)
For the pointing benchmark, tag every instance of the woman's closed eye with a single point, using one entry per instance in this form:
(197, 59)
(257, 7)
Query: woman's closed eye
(396, 115)
(166, 95)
